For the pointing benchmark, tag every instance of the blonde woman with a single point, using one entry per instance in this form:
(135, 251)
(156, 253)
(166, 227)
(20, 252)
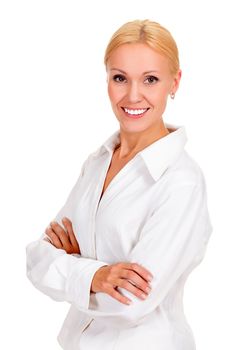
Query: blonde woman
(136, 223)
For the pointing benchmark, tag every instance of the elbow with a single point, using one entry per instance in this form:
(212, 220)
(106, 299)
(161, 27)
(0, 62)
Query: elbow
(136, 313)
(115, 314)
(41, 267)
(31, 261)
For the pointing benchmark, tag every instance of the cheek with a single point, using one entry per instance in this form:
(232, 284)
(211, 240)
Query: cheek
(115, 93)
(111, 93)
(159, 95)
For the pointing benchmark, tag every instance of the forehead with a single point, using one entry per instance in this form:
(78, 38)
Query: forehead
(136, 58)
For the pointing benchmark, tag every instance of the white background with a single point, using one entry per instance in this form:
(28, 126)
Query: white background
(54, 111)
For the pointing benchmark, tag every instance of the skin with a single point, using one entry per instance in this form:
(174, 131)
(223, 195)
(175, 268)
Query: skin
(137, 78)
(63, 237)
(129, 86)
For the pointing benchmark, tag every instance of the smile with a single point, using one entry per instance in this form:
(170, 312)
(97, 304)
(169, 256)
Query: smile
(135, 113)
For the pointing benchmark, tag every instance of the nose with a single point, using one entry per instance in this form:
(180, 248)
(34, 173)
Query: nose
(134, 93)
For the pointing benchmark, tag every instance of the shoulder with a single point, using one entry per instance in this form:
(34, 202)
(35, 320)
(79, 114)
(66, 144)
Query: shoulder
(182, 182)
(92, 159)
(184, 172)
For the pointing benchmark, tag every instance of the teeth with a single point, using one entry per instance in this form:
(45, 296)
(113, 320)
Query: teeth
(135, 111)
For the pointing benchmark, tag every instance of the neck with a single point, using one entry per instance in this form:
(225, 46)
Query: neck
(132, 143)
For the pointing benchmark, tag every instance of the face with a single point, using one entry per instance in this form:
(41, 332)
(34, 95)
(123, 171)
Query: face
(139, 83)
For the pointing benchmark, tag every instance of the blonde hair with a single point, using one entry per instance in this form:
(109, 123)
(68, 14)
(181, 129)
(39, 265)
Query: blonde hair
(146, 32)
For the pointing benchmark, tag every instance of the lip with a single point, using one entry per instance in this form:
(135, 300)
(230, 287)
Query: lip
(134, 116)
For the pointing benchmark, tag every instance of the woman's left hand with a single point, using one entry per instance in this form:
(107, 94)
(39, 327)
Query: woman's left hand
(63, 238)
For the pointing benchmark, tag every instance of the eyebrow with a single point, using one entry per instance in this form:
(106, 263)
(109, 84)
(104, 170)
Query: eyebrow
(147, 72)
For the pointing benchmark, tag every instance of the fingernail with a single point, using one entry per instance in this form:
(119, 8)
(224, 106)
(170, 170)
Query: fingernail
(129, 302)
(150, 278)
(148, 289)
(144, 296)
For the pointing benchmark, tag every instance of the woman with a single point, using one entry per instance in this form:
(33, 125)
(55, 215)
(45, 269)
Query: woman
(136, 222)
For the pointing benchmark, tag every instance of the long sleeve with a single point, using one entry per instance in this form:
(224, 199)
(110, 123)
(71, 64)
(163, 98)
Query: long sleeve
(172, 242)
(62, 276)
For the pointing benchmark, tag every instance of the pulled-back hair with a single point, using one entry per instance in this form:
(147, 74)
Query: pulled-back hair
(148, 32)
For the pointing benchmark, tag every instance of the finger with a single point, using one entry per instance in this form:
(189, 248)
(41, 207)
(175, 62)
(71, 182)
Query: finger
(118, 296)
(142, 271)
(137, 281)
(123, 283)
(47, 239)
(60, 232)
(124, 271)
(69, 228)
(54, 238)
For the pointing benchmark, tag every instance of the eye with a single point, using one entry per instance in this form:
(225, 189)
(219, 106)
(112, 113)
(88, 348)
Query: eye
(151, 79)
(119, 78)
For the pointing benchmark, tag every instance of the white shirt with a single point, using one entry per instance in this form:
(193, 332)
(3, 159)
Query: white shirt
(154, 212)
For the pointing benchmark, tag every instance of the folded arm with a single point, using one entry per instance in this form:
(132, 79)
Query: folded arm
(65, 275)
(171, 244)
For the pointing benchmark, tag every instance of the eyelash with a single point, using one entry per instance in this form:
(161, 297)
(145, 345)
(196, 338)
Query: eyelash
(119, 76)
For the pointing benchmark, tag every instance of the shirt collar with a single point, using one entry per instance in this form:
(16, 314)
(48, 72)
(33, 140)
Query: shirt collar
(159, 155)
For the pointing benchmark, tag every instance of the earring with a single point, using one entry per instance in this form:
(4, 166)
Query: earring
(172, 95)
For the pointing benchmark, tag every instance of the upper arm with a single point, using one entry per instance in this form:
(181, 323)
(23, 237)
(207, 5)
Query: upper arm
(67, 208)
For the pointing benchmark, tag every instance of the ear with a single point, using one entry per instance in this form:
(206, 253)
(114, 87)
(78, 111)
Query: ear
(176, 81)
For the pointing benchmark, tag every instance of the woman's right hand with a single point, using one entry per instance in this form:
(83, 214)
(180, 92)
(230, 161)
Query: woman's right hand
(63, 237)
(130, 276)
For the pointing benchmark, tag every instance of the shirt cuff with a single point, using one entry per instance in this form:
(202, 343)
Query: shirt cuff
(79, 282)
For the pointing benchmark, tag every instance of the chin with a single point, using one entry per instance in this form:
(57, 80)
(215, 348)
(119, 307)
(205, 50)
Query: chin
(129, 127)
